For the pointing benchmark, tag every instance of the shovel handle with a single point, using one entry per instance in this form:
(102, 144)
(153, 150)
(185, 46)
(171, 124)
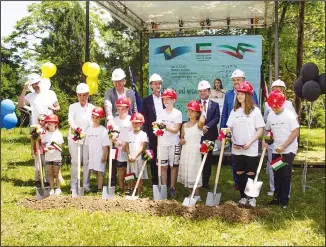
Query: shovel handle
(78, 165)
(39, 163)
(260, 163)
(159, 160)
(139, 177)
(198, 176)
(219, 165)
(110, 164)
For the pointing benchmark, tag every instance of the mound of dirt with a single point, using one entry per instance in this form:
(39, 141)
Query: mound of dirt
(228, 211)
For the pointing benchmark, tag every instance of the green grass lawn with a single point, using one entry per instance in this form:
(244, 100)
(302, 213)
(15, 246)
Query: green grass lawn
(302, 223)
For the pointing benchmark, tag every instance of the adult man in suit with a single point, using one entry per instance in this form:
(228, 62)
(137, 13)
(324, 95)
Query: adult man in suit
(119, 91)
(110, 98)
(212, 114)
(238, 77)
(151, 106)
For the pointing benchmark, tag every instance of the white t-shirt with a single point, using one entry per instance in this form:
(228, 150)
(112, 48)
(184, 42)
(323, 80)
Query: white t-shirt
(96, 139)
(125, 127)
(281, 126)
(135, 141)
(244, 128)
(169, 119)
(80, 116)
(40, 103)
(48, 138)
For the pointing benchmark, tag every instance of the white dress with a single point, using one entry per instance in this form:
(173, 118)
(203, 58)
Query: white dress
(190, 157)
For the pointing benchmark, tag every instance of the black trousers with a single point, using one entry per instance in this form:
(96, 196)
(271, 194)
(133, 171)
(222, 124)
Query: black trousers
(207, 170)
(282, 178)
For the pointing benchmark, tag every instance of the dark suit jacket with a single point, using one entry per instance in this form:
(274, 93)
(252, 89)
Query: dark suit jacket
(149, 113)
(213, 118)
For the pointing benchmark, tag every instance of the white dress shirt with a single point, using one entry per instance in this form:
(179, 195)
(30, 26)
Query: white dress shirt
(158, 104)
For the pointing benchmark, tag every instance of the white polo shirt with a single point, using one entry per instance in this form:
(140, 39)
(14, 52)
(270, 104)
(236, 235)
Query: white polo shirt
(80, 116)
(282, 125)
(244, 128)
(40, 103)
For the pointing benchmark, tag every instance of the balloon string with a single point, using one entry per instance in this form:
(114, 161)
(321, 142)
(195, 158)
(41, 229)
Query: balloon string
(310, 116)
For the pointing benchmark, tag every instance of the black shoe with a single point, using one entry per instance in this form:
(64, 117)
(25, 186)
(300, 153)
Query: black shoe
(46, 184)
(37, 184)
(275, 201)
(206, 186)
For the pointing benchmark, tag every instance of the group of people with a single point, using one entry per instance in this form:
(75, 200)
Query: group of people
(180, 155)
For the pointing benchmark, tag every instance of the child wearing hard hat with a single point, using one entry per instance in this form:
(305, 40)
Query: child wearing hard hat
(170, 141)
(276, 85)
(97, 139)
(53, 142)
(285, 128)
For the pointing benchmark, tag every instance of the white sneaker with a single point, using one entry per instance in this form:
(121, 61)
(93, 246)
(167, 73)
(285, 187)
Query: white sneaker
(252, 202)
(215, 147)
(51, 192)
(57, 192)
(243, 201)
(270, 193)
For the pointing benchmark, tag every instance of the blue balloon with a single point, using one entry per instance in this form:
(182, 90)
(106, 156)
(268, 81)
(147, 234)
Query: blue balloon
(7, 106)
(9, 121)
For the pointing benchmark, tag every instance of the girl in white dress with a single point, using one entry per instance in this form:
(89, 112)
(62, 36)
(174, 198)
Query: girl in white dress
(136, 144)
(191, 133)
(97, 139)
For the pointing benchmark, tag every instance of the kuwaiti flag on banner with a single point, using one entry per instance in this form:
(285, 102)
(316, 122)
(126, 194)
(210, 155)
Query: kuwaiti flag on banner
(278, 163)
(134, 88)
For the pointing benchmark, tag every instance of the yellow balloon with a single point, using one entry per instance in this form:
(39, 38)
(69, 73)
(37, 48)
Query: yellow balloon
(48, 69)
(93, 70)
(92, 83)
(85, 68)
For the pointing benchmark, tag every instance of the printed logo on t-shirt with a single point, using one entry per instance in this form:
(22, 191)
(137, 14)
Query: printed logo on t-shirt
(277, 124)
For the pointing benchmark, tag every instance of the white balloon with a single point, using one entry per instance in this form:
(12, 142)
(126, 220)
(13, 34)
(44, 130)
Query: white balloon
(45, 84)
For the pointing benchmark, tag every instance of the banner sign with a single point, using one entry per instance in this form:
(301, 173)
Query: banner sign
(183, 62)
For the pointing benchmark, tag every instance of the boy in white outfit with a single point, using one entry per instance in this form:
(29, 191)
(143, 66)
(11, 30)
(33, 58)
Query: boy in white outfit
(170, 141)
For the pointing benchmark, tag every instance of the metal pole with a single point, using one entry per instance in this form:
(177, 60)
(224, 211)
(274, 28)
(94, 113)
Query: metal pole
(141, 63)
(270, 74)
(87, 32)
(276, 39)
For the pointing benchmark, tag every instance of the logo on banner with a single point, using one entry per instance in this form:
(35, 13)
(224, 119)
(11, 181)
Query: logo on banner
(200, 47)
(169, 53)
(238, 51)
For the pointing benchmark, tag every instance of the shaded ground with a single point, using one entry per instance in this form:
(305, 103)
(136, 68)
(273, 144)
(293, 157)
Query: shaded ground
(228, 211)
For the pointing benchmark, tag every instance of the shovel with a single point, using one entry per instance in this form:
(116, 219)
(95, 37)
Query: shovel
(41, 193)
(160, 191)
(214, 198)
(133, 197)
(253, 186)
(108, 191)
(80, 190)
(191, 201)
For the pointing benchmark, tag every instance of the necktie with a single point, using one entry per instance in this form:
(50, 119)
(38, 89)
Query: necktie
(204, 105)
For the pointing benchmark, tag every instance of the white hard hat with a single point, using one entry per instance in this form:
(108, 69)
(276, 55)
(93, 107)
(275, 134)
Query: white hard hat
(82, 88)
(278, 83)
(118, 74)
(33, 78)
(203, 85)
(238, 73)
(155, 77)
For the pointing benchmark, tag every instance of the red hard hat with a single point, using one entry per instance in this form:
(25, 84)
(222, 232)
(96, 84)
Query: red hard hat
(245, 87)
(276, 99)
(123, 102)
(98, 111)
(137, 118)
(169, 93)
(51, 119)
(194, 105)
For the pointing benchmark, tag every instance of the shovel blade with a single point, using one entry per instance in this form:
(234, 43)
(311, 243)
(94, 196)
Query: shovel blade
(132, 197)
(189, 202)
(253, 188)
(108, 192)
(81, 191)
(213, 200)
(156, 193)
(42, 194)
(164, 192)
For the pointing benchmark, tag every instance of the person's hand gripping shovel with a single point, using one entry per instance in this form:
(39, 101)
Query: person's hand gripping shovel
(205, 147)
(213, 198)
(42, 192)
(159, 191)
(113, 131)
